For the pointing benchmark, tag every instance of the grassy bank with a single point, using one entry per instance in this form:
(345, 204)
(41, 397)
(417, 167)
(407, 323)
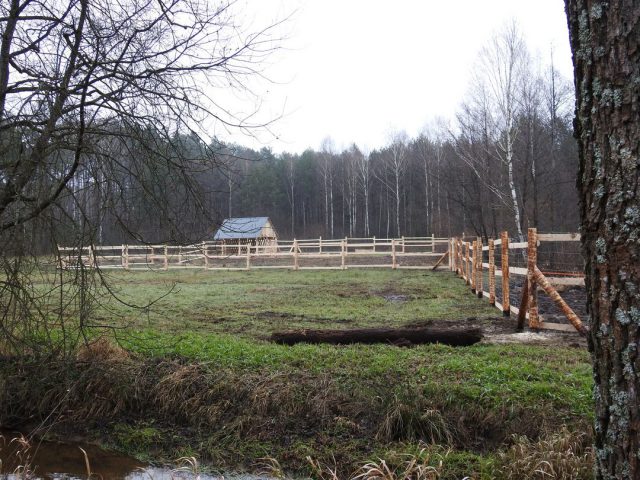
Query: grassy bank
(195, 376)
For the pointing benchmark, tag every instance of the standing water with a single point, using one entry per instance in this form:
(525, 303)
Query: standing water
(56, 460)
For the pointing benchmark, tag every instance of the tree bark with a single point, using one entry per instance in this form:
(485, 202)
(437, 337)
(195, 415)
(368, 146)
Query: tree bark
(605, 40)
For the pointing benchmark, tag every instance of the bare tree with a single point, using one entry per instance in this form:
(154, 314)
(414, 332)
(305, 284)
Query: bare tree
(397, 158)
(502, 69)
(605, 41)
(87, 85)
(327, 167)
(364, 178)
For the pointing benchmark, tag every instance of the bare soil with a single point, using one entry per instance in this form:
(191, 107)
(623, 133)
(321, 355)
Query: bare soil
(502, 330)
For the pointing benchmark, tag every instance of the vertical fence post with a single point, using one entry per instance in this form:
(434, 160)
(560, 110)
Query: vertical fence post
(249, 256)
(126, 257)
(151, 255)
(532, 259)
(343, 254)
(374, 243)
(433, 243)
(479, 279)
(295, 254)
(320, 245)
(402, 243)
(393, 253)
(474, 265)
(492, 273)
(450, 248)
(205, 252)
(467, 265)
(166, 257)
(180, 254)
(91, 257)
(460, 252)
(504, 265)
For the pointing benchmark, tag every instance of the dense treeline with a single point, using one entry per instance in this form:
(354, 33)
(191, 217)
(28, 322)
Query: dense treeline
(411, 187)
(507, 161)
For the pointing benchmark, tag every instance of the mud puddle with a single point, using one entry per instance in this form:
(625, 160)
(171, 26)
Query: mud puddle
(57, 460)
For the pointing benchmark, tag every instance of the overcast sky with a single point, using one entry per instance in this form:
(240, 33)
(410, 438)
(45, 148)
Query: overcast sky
(356, 70)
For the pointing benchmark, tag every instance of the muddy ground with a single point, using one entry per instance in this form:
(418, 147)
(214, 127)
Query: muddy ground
(501, 330)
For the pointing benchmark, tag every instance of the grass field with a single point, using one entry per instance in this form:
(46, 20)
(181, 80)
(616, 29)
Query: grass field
(197, 375)
(253, 304)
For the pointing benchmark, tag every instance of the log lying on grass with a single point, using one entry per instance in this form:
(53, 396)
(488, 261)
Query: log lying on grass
(395, 336)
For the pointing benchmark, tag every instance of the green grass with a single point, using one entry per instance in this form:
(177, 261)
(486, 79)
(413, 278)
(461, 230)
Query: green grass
(254, 304)
(230, 396)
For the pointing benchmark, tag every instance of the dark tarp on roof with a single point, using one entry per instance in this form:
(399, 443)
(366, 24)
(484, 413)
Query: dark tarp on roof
(245, 227)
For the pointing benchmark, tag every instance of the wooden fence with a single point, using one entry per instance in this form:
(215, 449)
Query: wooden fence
(467, 259)
(296, 254)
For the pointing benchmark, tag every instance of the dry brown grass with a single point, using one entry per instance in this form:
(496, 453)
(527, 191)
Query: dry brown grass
(101, 350)
(226, 409)
(561, 456)
(424, 465)
(410, 418)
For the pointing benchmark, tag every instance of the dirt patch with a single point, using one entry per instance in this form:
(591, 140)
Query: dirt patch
(576, 298)
(550, 338)
(395, 298)
(501, 330)
(271, 314)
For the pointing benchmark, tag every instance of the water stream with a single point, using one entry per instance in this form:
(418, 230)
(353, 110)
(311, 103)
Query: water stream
(57, 460)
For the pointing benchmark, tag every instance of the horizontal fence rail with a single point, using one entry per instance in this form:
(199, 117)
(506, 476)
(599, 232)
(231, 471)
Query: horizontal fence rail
(296, 254)
(520, 259)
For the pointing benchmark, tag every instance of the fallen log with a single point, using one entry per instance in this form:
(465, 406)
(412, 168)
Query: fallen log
(395, 336)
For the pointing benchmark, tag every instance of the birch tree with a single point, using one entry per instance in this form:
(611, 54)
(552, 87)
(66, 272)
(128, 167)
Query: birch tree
(502, 68)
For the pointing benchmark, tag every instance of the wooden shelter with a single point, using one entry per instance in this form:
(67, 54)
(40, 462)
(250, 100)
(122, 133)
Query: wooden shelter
(254, 231)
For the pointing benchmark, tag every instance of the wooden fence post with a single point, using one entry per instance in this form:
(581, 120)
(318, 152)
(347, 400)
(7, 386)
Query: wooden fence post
(467, 264)
(205, 252)
(393, 254)
(460, 253)
(479, 279)
(320, 245)
(249, 256)
(433, 243)
(402, 243)
(91, 257)
(166, 258)
(474, 265)
(180, 254)
(295, 254)
(374, 243)
(492, 273)
(343, 254)
(151, 255)
(504, 265)
(454, 244)
(450, 249)
(532, 259)
(126, 257)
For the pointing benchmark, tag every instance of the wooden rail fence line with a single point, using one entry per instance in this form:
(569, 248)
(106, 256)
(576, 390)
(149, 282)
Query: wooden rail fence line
(466, 259)
(209, 255)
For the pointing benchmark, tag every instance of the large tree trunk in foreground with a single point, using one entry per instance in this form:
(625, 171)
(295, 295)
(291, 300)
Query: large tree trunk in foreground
(605, 40)
(396, 336)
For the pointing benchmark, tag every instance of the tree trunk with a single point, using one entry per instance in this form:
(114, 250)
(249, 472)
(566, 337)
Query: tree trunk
(605, 40)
